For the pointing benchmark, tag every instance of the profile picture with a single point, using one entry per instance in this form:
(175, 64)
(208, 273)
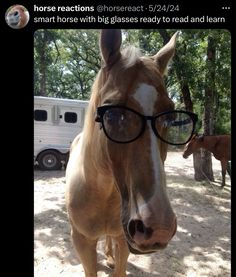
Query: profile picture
(17, 16)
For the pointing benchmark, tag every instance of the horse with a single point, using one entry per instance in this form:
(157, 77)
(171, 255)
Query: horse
(115, 178)
(218, 145)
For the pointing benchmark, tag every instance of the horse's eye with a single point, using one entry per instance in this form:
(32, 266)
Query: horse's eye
(165, 121)
(114, 116)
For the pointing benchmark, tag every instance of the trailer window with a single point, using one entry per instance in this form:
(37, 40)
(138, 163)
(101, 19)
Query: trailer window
(70, 117)
(40, 115)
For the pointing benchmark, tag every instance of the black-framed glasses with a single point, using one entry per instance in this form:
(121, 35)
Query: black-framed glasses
(123, 125)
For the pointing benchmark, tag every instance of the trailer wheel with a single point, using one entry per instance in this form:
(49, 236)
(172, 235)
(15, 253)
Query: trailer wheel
(49, 160)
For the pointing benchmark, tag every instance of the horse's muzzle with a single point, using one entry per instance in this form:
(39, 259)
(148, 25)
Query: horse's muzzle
(143, 240)
(144, 250)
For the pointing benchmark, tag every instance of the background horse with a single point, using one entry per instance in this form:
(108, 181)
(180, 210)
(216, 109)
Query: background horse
(220, 146)
(115, 177)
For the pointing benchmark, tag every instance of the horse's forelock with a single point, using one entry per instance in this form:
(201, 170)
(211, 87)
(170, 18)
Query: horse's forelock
(130, 56)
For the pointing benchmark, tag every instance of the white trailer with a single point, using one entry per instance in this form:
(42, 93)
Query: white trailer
(56, 123)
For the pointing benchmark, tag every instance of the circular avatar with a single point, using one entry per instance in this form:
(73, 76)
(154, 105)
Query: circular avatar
(17, 16)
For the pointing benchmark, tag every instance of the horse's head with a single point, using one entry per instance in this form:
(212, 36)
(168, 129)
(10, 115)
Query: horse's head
(17, 17)
(193, 145)
(136, 122)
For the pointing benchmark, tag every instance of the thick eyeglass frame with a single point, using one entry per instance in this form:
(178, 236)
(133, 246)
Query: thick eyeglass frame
(103, 109)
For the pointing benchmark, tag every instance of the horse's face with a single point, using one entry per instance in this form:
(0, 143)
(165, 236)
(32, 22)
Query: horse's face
(138, 166)
(192, 146)
(17, 17)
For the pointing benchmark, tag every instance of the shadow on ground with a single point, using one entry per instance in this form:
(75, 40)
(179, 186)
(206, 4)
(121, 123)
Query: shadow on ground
(202, 239)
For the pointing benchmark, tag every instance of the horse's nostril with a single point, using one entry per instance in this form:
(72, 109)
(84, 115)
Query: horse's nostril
(137, 226)
(131, 228)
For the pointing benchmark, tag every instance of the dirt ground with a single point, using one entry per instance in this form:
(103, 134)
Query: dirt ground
(200, 248)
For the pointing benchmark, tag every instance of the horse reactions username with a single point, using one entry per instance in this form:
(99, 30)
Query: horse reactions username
(115, 178)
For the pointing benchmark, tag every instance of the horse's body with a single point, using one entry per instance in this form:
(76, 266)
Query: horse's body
(219, 146)
(114, 189)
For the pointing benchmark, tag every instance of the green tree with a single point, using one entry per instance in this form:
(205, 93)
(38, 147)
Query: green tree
(66, 65)
(43, 40)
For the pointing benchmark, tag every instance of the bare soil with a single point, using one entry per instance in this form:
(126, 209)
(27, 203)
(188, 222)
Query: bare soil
(200, 248)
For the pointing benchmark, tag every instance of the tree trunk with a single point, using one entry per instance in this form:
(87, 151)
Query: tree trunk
(209, 106)
(184, 87)
(198, 173)
(42, 66)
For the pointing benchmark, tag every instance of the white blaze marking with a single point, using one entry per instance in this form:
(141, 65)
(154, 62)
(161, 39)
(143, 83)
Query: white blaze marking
(146, 96)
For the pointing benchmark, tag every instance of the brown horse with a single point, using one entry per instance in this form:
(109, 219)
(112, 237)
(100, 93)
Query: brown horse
(115, 177)
(220, 146)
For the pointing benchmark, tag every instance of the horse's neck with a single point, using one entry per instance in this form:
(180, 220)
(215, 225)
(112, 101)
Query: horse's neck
(208, 143)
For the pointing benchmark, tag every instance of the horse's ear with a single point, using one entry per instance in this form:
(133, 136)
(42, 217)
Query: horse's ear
(110, 42)
(165, 54)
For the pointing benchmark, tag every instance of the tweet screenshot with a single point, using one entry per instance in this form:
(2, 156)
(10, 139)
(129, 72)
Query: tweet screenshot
(128, 108)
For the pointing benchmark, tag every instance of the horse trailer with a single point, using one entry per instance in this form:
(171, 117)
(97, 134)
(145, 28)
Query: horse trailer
(56, 123)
